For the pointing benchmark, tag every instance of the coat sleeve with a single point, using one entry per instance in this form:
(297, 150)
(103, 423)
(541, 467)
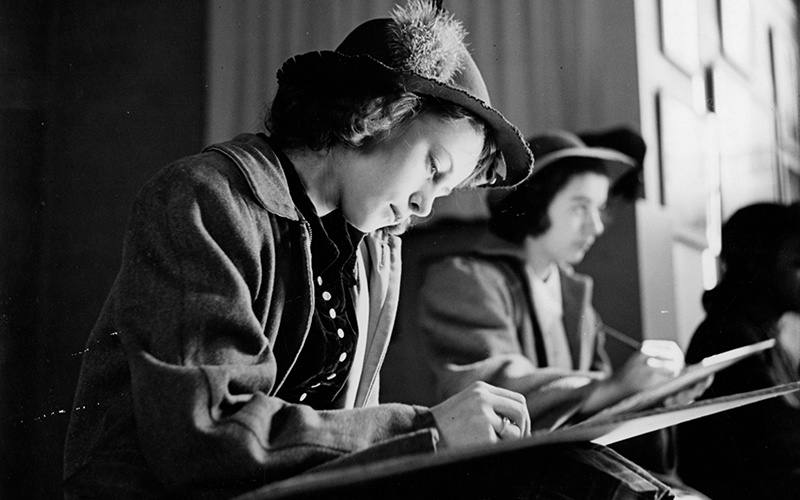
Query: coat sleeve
(467, 317)
(200, 322)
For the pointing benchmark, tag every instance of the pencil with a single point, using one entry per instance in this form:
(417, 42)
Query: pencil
(616, 334)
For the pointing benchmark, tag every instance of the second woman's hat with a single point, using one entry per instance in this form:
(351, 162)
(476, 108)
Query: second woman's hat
(555, 145)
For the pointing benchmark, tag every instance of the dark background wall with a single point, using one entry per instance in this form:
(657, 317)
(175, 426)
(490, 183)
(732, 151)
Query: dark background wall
(94, 98)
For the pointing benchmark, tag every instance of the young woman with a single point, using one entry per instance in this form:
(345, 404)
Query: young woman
(242, 339)
(513, 313)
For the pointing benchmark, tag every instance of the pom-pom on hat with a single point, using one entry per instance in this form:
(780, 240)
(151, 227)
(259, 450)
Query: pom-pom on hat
(420, 49)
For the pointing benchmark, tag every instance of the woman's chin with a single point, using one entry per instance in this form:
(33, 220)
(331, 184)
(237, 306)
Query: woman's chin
(575, 258)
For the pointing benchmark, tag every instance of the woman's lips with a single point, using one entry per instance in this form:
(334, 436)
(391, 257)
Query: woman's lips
(397, 216)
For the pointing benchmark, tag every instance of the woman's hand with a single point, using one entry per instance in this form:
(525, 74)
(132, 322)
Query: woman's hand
(481, 414)
(659, 361)
(664, 354)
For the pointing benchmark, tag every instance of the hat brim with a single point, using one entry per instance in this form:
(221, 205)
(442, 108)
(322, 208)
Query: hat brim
(336, 72)
(617, 164)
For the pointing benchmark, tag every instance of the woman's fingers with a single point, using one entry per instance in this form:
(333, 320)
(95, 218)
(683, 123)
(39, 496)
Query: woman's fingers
(508, 430)
(510, 405)
(482, 413)
(669, 366)
(664, 354)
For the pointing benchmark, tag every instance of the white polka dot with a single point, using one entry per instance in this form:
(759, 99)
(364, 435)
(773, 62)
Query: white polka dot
(319, 280)
(342, 357)
(340, 333)
(332, 313)
(331, 376)
(326, 295)
(303, 396)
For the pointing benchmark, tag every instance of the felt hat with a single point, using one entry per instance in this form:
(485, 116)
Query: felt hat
(550, 149)
(555, 145)
(627, 140)
(420, 49)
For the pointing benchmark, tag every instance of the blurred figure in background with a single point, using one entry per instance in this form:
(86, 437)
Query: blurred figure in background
(513, 313)
(750, 452)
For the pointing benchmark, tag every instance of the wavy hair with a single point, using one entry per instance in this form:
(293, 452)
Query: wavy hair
(523, 212)
(300, 118)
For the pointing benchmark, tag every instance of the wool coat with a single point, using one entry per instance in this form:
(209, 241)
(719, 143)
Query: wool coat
(179, 390)
(478, 321)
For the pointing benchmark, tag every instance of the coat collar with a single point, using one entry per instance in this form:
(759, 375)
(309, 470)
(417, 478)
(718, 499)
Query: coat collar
(576, 291)
(494, 246)
(491, 245)
(263, 172)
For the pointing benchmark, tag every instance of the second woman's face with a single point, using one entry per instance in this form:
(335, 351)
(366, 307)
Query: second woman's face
(575, 218)
(399, 178)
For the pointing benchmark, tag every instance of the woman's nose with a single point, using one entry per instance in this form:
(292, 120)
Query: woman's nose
(421, 203)
(595, 222)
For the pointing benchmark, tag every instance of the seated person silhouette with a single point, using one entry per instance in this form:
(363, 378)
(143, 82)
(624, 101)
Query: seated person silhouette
(754, 451)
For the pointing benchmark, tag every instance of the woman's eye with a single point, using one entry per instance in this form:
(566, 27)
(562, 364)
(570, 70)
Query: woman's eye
(434, 170)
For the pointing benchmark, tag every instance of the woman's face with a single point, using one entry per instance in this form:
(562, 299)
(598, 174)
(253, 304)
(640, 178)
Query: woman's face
(575, 218)
(400, 177)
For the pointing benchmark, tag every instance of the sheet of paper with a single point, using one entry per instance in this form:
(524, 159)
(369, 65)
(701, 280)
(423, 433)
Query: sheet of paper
(691, 375)
(611, 431)
(628, 425)
(644, 422)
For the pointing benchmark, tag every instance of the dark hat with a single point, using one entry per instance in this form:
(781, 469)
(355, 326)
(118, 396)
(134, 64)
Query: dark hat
(623, 138)
(522, 210)
(549, 149)
(627, 140)
(420, 49)
(555, 145)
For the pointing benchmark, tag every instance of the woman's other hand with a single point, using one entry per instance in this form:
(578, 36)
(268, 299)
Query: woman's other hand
(658, 362)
